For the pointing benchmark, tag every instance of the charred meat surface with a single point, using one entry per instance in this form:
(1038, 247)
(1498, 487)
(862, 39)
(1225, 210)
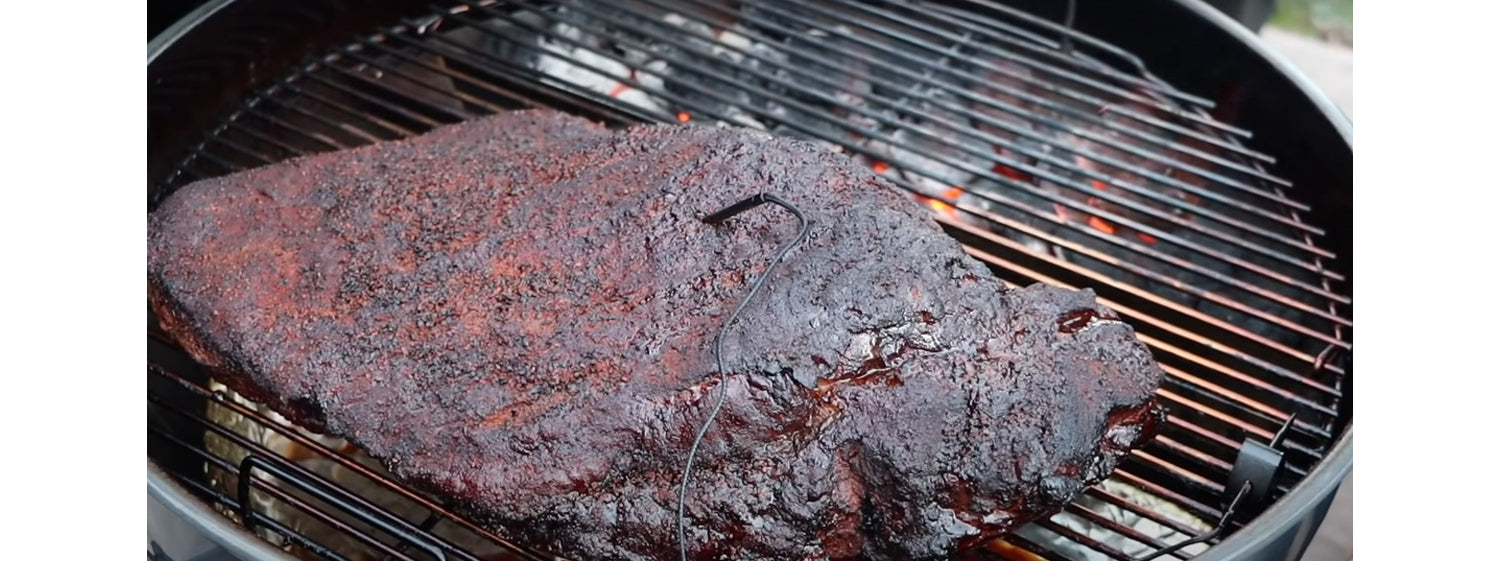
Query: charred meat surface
(517, 313)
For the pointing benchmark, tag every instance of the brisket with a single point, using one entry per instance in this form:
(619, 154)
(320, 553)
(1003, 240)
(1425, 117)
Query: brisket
(517, 314)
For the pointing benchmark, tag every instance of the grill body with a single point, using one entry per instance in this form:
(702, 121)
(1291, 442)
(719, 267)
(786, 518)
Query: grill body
(213, 63)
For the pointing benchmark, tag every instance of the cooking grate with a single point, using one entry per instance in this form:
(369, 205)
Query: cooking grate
(1054, 157)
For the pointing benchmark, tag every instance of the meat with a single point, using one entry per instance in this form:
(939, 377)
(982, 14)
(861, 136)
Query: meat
(518, 314)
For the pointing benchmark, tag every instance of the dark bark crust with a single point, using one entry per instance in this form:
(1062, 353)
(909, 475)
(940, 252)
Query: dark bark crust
(517, 313)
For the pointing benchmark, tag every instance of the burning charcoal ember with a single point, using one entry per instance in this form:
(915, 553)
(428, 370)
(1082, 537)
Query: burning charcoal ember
(928, 153)
(1100, 171)
(705, 95)
(1026, 200)
(513, 39)
(708, 66)
(1003, 118)
(1133, 170)
(588, 67)
(824, 109)
(566, 55)
(757, 72)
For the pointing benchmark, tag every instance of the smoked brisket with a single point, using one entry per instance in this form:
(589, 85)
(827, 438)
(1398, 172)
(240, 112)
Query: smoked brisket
(517, 314)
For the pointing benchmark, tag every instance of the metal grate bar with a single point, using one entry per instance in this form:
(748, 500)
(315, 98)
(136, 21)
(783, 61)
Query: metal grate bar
(1225, 447)
(1093, 118)
(699, 108)
(1074, 536)
(348, 56)
(1070, 35)
(971, 132)
(1150, 466)
(254, 156)
(1232, 420)
(1153, 474)
(191, 171)
(1061, 37)
(421, 122)
(426, 123)
(263, 486)
(286, 532)
(354, 54)
(281, 495)
(1148, 318)
(1212, 438)
(1210, 458)
(1051, 87)
(1188, 407)
(1216, 466)
(1299, 355)
(1064, 49)
(203, 155)
(1011, 56)
(1187, 288)
(1133, 508)
(514, 84)
(1236, 397)
(361, 136)
(323, 451)
(1028, 546)
(1038, 47)
(1126, 311)
(1185, 404)
(1244, 410)
(287, 150)
(526, 79)
(1179, 263)
(988, 174)
(1257, 382)
(1120, 529)
(999, 103)
(392, 131)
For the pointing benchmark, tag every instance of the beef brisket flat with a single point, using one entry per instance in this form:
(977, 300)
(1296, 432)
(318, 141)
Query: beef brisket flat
(517, 314)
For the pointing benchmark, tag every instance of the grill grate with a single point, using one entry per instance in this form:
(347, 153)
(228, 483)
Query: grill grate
(1052, 156)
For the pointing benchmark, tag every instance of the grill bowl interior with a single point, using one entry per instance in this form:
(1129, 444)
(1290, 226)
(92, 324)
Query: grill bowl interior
(1248, 333)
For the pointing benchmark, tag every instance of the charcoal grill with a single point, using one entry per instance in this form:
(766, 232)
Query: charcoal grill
(1149, 150)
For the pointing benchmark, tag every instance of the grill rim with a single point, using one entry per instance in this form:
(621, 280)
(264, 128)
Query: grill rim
(234, 538)
(1305, 502)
